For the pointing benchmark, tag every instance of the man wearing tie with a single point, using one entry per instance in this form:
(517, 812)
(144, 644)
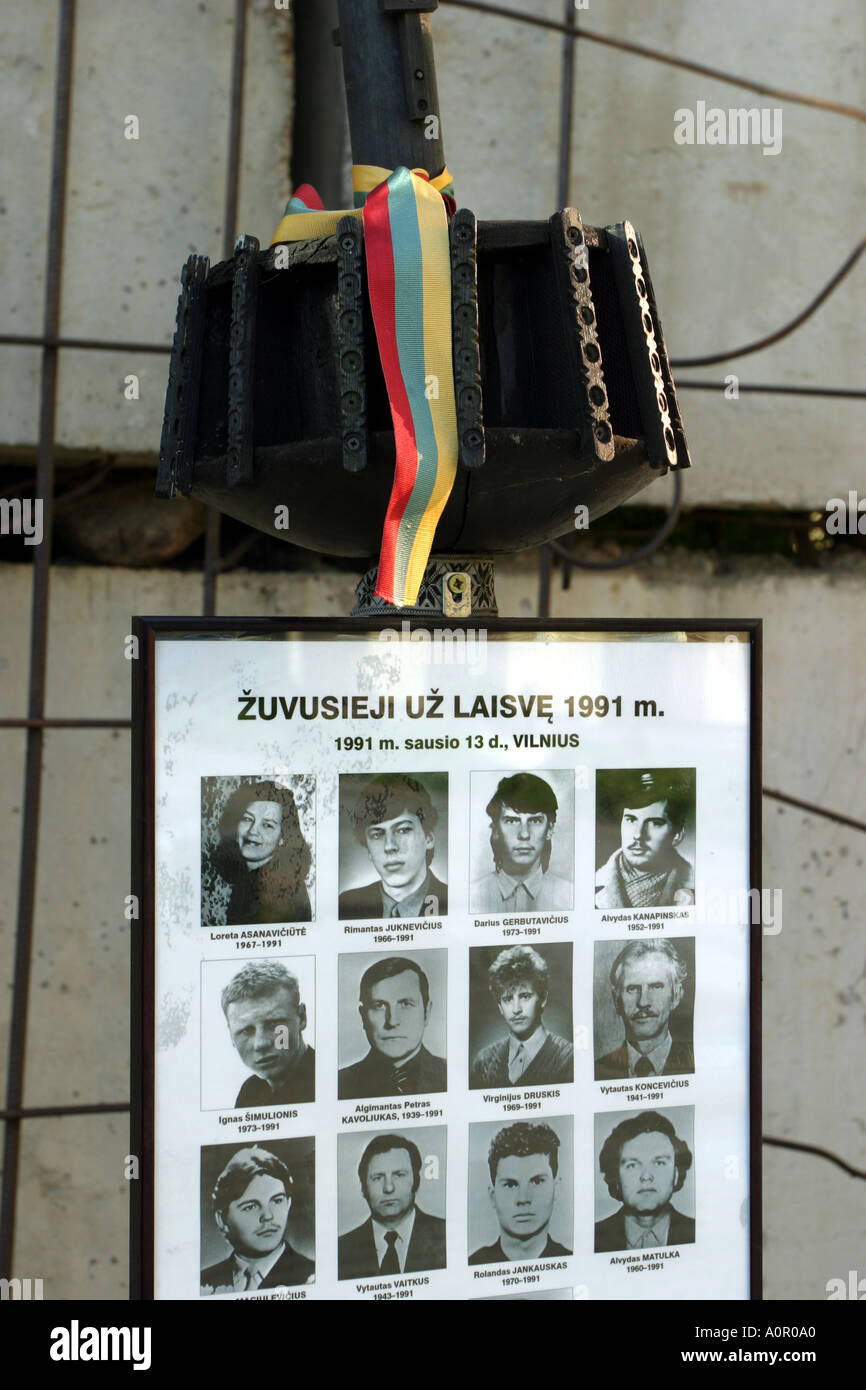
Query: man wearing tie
(530, 1055)
(647, 981)
(398, 1237)
(251, 1201)
(394, 818)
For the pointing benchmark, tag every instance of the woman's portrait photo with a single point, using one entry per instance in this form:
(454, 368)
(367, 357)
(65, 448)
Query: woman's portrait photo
(257, 840)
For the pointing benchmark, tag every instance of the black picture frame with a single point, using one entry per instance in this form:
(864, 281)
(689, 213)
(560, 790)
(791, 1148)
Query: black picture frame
(148, 630)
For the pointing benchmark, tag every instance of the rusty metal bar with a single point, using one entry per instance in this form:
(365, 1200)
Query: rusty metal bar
(566, 110)
(544, 573)
(41, 1112)
(38, 636)
(41, 723)
(683, 384)
(230, 211)
(90, 344)
(814, 810)
(211, 562)
(230, 220)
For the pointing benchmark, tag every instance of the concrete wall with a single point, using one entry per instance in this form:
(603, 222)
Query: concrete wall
(738, 241)
(73, 1200)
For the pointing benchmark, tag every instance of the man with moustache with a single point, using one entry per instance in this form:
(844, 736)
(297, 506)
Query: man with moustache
(266, 1019)
(524, 1184)
(647, 981)
(647, 870)
(529, 1055)
(395, 820)
(398, 1237)
(251, 1202)
(644, 1163)
(522, 815)
(394, 1007)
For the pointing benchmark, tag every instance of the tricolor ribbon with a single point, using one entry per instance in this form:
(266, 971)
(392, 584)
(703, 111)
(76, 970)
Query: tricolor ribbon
(405, 216)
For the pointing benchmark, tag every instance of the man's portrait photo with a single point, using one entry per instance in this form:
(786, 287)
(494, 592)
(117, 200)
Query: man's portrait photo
(258, 1032)
(645, 1159)
(522, 852)
(645, 845)
(520, 1019)
(520, 1190)
(257, 850)
(391, 1202)
(392, 1024)
(643, 1010)
(396, 827)
(257, 1216)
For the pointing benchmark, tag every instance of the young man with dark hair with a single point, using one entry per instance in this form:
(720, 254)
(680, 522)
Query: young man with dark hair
(394, 819)
(252, 1199)
(647, 870)
(522, 813)
(644, 1163)
(523, 1164)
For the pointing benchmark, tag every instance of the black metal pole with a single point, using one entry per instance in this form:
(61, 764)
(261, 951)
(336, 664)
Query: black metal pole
(377, 46)
(319, 123)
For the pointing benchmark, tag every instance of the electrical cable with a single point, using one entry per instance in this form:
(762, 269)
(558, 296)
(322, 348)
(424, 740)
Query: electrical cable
(854, 113)
(814, 810)
(758, 388)
(815, 1149)
(634, 556)
(712, 359)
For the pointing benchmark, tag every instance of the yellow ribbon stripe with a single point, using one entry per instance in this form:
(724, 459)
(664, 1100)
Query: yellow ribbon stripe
(433, 227)
(306, 226)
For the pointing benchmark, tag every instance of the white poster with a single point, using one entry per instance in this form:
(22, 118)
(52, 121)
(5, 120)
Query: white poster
(451, 964)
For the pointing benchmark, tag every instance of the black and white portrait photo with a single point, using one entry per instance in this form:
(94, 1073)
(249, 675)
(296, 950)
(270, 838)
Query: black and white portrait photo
(643, 1008)
(644, 1187)
(520, 1190)
(392, 1026)
(391, 1202)
(257, 843)
(258, 1032)
(393, 845)
(522, 851)
(645, 838)
(257, 1216)
(520, 1016)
